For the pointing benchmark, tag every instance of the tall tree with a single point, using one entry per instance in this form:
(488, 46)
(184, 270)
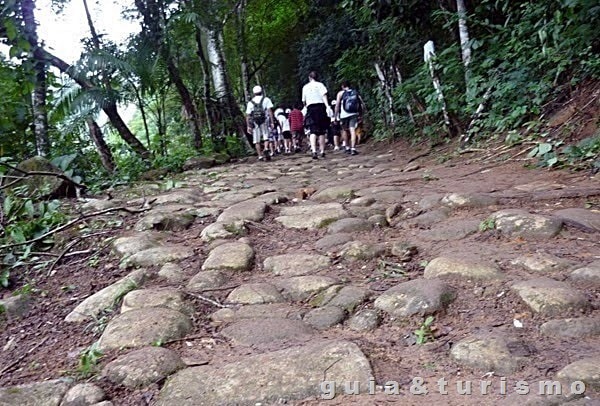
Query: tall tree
(465, 44)
(40, 116)
(154, 23)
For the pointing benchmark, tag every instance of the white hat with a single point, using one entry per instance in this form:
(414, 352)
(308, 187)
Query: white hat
(257, 89)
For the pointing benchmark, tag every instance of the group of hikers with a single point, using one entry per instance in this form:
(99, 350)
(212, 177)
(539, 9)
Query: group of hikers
(283, 130)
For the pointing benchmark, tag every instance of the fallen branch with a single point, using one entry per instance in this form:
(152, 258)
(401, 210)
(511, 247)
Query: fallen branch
(63, 254)
(73, 222)
(18, 360)
(257, 225)
(39, 173)
(208, 300)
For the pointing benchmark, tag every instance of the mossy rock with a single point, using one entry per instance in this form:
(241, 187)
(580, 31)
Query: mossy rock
(198, 162)
(221, 158)
(41, 186)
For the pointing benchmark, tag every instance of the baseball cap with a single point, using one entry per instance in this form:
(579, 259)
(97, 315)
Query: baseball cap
(257, 89)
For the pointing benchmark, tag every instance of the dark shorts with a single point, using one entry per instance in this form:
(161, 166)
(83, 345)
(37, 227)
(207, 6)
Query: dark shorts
(287, 135)
(336, 129)
(350, 122)
(317, 120)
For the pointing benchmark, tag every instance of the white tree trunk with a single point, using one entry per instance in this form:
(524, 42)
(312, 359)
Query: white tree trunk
(216, 64)
(429, 56)
(465, 45)
(386, 91)
(408, 108)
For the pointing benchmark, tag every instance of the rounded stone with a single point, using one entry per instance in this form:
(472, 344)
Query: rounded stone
(586, 370)
(161, 297)
(519, 223)
(206, 280)
(572, 328)
(233, 256)
(172, 272)
(349, 225)
(295, 264)
(550, 297)
(462, 268)
(145, 326)
(299, 288)
(419, 296)
(364, 320)
(83, 394)
(332, 241)
(143, 367)
(361, 251)
(488, 354)
(255, 293)
(323, 318)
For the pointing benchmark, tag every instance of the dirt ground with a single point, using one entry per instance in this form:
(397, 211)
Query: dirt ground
(43, 346)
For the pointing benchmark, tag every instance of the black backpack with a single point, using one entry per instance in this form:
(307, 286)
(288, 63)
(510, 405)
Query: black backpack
(351, 101)
(258, 115)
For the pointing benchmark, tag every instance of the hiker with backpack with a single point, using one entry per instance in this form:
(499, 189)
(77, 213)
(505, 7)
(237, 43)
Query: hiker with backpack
(258, 113)
(348, 108)
(314, 97)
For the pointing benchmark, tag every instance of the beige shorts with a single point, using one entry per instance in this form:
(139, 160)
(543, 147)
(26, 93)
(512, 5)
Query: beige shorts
(260, 133)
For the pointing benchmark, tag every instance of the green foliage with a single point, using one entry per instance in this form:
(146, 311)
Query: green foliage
(583, 155)
(424, 333)
(487, 224)
(88, 361)
(25, 220)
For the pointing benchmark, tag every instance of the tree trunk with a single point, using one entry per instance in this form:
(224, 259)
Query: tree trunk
(385, 86)
(117, 121)
(98, 138)
(465, 45)
(216, 64)
(429, 55)
(208, 105)
(40, 116)
(111, 109)
(408, 108)
(187, 101)
(241, 43)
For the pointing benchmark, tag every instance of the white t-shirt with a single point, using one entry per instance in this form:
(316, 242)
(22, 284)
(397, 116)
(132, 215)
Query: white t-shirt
(313, 92)
(267, 104)
(284, 122)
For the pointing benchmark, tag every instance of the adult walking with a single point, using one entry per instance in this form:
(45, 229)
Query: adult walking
(259, 117)
(314, 97)
(348, 108)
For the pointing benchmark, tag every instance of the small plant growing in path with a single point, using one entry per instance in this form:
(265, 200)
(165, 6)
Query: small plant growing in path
(425, 333)
(487, 224)
(88, 360)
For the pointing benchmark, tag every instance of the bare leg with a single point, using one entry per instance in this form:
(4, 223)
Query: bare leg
(345, 138)
(313, 143)
(258, 149)
(352, 137)
(322, 143)
(336, 142)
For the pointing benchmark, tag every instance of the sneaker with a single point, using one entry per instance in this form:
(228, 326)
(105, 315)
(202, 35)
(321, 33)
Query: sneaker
(314, 155)
(268, 157)
(353, 152)
(261, 158)
(323, 154)
(297, 149)
(336, 148)
(347, 150)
